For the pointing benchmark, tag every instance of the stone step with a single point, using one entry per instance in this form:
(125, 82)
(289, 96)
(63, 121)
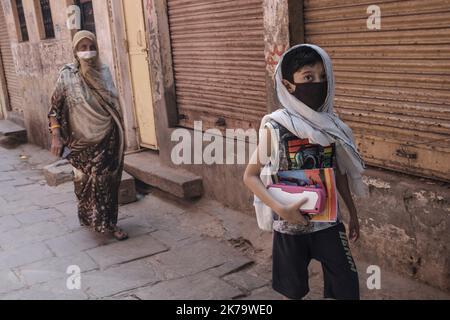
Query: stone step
(61, 172)
(146, 167)
(13, 131)
(58, 173)
(127, 191)
(9, 128)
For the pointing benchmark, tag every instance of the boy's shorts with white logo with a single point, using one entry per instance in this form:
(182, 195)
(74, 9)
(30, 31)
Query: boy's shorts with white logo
(293, 253)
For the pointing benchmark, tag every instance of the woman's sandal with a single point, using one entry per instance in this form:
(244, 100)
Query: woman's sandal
(119, 234)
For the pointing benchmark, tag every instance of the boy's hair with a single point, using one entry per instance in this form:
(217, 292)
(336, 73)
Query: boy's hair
(297, 59)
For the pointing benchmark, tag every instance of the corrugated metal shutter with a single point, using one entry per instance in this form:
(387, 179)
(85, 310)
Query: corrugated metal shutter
(393, 84)
(219, 65)
(12, 82)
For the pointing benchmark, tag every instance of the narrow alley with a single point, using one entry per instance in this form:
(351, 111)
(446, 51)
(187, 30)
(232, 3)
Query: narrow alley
(177, 249)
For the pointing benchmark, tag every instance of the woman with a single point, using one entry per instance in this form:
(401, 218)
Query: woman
(305, 87)
(86, 124)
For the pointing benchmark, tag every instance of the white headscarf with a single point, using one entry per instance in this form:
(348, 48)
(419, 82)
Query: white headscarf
(320, 127)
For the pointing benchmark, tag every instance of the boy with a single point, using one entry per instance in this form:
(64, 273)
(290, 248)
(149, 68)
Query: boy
(305, 88)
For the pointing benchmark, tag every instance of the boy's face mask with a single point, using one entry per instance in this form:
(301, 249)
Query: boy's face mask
(313, 94)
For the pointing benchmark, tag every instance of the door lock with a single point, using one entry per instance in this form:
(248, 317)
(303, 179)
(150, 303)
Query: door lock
(221, 122)
(405, 154)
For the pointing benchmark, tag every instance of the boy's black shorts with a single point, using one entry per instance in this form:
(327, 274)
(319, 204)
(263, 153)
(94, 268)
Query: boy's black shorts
(293, 253)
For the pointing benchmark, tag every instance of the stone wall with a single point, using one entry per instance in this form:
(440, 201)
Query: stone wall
(406, 226)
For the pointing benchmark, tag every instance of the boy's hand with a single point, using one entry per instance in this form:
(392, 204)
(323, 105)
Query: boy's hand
(293, 214)
(354, 229)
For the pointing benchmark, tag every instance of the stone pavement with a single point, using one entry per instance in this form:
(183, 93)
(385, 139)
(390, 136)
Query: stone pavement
(177, 249)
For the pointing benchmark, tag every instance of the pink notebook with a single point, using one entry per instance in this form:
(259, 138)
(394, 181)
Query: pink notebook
(288, 194)
(322, 178)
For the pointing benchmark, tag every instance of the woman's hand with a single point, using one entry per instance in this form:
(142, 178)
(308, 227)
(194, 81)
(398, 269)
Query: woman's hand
(354, 229)
(293, 214)
(57, 145)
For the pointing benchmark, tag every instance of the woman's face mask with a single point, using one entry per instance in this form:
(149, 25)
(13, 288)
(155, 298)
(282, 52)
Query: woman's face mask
(313, 94)
(86, 55)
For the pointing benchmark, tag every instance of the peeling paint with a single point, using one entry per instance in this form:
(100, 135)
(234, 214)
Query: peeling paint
(436, 197)
(420, 196)
(274, 56)
(389, 231)
(425, 196)
(377, 183)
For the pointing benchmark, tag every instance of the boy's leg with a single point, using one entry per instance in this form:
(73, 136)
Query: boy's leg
(330, 247)
(291, 257)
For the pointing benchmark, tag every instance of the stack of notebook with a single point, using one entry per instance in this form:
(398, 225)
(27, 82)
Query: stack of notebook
(312, 166)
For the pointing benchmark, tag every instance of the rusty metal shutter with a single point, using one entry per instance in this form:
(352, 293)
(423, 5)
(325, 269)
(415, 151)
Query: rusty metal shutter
(393, 84)
(12, 82)
(219, 65)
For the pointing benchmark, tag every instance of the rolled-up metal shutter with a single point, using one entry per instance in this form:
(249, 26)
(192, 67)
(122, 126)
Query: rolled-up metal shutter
(12, 82)
(219, 65)
(393, 84)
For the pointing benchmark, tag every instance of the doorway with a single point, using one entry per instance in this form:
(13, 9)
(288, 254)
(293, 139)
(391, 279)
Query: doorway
(138, 53)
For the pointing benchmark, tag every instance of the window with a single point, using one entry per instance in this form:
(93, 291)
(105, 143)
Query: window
(22, 23)
(46, 12)
(87, 15)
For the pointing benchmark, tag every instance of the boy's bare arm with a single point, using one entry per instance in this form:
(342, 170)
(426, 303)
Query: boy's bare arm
(253, 181)
(344, 191)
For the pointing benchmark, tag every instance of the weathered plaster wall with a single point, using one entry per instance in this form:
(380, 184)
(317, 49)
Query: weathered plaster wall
(103, 30)
(276, 37)
(406, 226)
(37, 62)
